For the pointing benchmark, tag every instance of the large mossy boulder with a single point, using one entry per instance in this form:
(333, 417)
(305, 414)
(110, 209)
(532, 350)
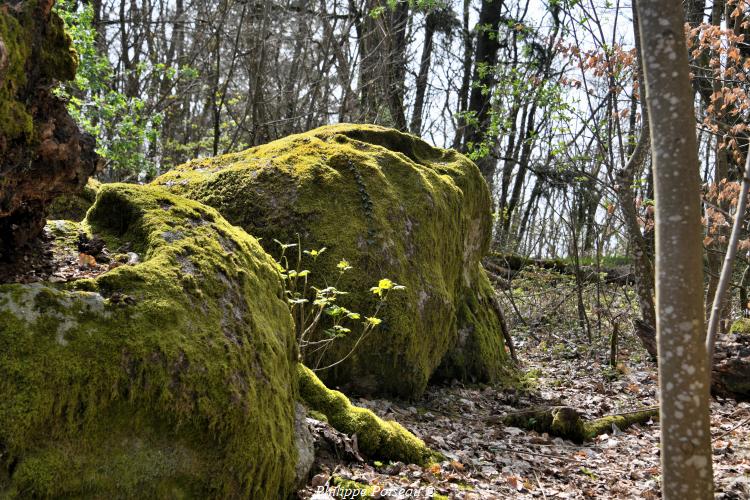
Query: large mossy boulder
(394, 207)
(172, 377)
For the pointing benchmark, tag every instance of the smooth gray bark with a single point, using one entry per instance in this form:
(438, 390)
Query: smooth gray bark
(684, 377)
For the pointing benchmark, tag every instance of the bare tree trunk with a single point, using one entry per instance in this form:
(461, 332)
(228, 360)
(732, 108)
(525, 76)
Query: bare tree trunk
(395, 63)
(684, 374)
(369, 41)
(463, 92)
(722, 286)
(480, 99)
(640, 248)
(424, 68)
(642, 266)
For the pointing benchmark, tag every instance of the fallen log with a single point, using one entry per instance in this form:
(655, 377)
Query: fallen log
(565, 422)
(730, 376)
(507, 266)
(376, 438)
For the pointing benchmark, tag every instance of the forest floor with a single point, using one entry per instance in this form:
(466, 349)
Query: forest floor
(487, 460)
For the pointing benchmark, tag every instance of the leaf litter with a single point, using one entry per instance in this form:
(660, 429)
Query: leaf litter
(486, 460)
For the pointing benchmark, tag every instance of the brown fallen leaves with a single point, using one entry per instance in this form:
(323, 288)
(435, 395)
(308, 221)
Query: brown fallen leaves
(488, 461)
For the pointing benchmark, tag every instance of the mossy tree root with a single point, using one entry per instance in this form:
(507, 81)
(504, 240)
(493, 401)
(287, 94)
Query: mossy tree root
(377, 438)
(622, 421)
(566, 422)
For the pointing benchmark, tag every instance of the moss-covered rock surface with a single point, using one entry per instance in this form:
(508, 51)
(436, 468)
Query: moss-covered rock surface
(73, 206)
(741, 326)
(394, 207)
(169, 378)
(43, 154)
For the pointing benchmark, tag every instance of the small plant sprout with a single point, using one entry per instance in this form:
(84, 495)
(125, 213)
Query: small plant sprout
(314, 253)
(310, 305)
(372, 321)
(383, 286)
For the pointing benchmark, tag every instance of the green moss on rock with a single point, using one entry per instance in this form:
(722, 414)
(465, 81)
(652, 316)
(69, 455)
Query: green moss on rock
(53, 58)
(73, 206)
(476, 356)
(393, 206)
(171, 378)
(14, 119)
(317, 415)
(742, 325)
(376, 438)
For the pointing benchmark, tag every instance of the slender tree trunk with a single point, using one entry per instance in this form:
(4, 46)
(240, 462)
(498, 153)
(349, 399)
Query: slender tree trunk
(642, 265)
(395, 63)
(684, 374)
(463, 92)
(480, 99)
(523, 163)
(369, 41)
(640, 248)
(424, 69)
(216, 111)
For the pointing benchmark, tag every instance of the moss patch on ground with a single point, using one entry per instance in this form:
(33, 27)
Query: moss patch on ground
(376, 438)
(394, 207)
(742, 325)
(173, 377)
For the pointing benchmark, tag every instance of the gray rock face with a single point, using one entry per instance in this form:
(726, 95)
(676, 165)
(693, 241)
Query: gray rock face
(303, 441)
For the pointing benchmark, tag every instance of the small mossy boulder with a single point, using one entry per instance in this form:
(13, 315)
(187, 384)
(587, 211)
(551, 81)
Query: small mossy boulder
(376, 438)
(741, 326)
(173, 377)
(394, 207)
(73, 206)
